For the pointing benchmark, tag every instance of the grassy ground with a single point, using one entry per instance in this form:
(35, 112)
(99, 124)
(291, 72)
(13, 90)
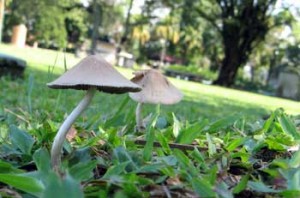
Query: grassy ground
(226, 156)
(199, 101)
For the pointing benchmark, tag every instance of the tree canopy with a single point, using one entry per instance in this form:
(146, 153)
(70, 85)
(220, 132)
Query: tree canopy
(223, 32)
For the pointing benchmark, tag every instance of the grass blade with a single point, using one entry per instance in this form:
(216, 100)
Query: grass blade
(21, 139)
(222, 123)
(24, 183)
(288, 126)
(188, 135)
(202, 188)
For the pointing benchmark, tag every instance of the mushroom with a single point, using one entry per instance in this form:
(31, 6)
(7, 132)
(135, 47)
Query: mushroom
(156, 90)
(91, 74)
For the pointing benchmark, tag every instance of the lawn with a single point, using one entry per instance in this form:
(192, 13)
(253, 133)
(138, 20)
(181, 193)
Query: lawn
(200, 100)
(217, 142)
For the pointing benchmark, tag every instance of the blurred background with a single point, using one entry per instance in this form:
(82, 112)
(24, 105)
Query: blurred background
(250, 45)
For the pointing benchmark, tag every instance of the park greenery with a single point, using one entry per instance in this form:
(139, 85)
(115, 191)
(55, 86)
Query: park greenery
(219, 35)
(216, 142)
(234, 143)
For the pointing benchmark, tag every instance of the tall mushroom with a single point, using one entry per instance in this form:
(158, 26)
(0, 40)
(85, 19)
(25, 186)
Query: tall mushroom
(156, 90)
(91, 74)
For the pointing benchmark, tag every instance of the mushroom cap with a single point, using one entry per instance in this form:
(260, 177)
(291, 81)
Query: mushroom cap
(156, 88)
(94, 72)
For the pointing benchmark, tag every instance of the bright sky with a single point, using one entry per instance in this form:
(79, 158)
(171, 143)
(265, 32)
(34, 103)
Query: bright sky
(293, 4)
(137, 4)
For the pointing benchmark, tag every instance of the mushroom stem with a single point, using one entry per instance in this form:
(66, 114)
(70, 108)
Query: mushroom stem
(138, 117)
(65, 127)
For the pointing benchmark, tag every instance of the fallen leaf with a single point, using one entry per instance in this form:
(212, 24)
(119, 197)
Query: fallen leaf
(71, 134)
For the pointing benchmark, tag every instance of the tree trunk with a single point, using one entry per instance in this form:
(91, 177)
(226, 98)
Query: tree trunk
(96, 24)
(233, 58)
(244, 26)
(127, 24)
(228, 71)
(2, 8)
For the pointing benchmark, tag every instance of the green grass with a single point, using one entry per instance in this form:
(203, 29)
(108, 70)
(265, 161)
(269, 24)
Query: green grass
(226, 148)
(200, 101)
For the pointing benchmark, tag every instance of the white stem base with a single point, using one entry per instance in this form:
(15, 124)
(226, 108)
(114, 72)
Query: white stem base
(65, 127)
(138, 116)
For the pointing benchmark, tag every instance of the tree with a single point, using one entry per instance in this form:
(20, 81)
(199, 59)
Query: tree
(127, 23)
(2, 10)
(96, 23)
(242, 26)
(45, 19)
(198, 39)
(104, 16)
(50, 28)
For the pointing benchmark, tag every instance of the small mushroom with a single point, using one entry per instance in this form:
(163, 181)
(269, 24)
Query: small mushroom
(156, 90)
(91, 74)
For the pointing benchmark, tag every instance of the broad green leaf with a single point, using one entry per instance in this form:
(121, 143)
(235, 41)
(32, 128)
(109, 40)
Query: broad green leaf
(261, 187)
(182, 158)
(288, 126)
(188, 135)
(241, 185)
(292, 177)
(269, 122)
(62, 187)
(150, 137)
(8, 168)
(136, 179)
(294, 180)
(197, 156)
(243, 155)
(131, 190)
(24, 183)
(236, 143)
(202, 188)
(92, 141)
(223, 190)
(151, 168)
(81, 155)
(169, 160)
(163, 142)
(185, 162)
(176, 126)
(290, 193)
(222, 123)
(280, 163)
(41, 158)
(113, 137)
(212, 174)
(21, 139)
(115, 170)
(279, 141)
(273, 145)
(211, 146)
(120, 154)
(294, 162)
(83, 171)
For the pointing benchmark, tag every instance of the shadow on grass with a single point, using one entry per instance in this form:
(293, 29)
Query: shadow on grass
(30, 98)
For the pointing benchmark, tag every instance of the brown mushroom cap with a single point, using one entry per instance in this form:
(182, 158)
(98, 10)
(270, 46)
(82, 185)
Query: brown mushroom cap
(156, 88)
(94, 71)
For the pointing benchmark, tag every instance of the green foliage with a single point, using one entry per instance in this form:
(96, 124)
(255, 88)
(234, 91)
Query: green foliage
(50, 27)
(225, 154)
(194, 69)
(44, 20)
(24, 183)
